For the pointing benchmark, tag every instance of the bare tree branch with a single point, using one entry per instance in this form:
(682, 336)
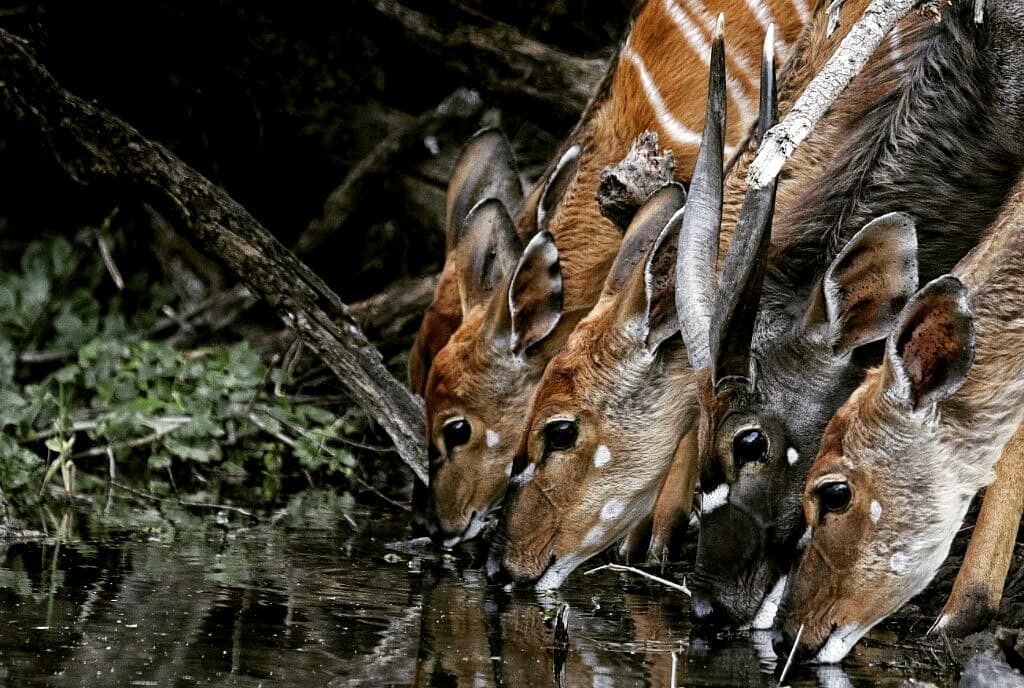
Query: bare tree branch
(848, 60)
(95, 147)
(462, 104)
(502, 59)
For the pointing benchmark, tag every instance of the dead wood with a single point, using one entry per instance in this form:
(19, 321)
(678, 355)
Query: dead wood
(781, 141)
(96, 148)
(501, 60)
(462, 104)
(626, 186)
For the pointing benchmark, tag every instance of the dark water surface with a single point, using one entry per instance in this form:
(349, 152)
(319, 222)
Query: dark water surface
(324, 602)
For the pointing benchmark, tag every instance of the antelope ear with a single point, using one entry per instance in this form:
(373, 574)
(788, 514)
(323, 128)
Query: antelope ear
(929, 355)
(486, 252)
(862, 293)
(556, 186)
(535, 294)
(643, 231)
(486, 168)
(649, 301)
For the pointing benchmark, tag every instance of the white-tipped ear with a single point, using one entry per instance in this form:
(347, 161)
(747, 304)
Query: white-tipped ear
(929, 355)
(556, 185)
(486, 253)
(535, 294)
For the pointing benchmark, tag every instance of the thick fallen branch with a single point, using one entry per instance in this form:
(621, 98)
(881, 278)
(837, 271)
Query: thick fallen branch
(462, 104)
(500, 59)
(93, 146)
(848, 60)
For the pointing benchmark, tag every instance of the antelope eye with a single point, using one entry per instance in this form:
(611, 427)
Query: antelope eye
(834, 497)
(749, 445)
(560, 435)
(456, 433)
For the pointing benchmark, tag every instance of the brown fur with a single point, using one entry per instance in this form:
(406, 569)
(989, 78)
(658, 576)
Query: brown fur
(587, 241)
(920, 438)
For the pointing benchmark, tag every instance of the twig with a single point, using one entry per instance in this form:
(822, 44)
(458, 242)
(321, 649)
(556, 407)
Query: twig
(792, 652)
(185, 502)
(94, 146)
(462, 104)
(629, 569)
(108, 260)
(367, 486)
(128, 444)
(849, 58)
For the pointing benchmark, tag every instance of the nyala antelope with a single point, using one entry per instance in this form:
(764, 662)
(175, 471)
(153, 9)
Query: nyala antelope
(590, 465)
(909, 166)
(514, 308)
(625, 399)
(903, 457)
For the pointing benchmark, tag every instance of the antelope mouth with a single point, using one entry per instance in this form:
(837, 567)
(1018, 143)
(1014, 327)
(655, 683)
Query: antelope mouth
(556, 572)
(477, 523)
(769, 607)
(838, 644)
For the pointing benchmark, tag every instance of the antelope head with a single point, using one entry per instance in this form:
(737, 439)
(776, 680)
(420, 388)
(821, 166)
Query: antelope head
(886, 493)
(481, 382)
(605, 420)
(767, 383)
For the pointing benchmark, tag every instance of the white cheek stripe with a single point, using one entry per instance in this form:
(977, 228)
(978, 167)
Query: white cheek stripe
(525, 476)
(805, 539)
(602, 456)
(492, 438)
(709, 501)
(876, 511)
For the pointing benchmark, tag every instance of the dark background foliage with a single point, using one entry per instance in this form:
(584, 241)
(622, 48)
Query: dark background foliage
(278, 103)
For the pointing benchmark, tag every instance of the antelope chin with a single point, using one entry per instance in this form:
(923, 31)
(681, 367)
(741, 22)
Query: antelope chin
(839, 643)
(765, 616)
(474, 528)
(555, 574)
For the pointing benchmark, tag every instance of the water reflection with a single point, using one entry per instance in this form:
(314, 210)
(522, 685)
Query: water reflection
(300, 603)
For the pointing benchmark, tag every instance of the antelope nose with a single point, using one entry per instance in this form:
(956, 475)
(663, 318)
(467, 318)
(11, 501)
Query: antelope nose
(495, 570)
(782, 643)
(450, 533)
(706, 612)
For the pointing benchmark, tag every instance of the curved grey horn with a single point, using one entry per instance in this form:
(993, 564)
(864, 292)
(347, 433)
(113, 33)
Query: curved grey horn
(698, 236)
(732, 328)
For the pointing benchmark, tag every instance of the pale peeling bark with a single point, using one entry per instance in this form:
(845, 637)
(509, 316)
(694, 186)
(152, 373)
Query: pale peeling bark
(853, 52)
(94, 147)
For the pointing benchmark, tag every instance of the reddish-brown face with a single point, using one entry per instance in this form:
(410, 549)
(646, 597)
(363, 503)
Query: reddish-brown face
(606, 421)
(881, 516)
(476, 399)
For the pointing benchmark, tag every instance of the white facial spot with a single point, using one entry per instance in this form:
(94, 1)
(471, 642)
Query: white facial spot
(876, 511)
(900, 562)
(492, 438)
(613, 509)
(525, 476)
(769, 606)
(602, 456)
(709, 501)
(593, 537)
(805, 539)
(792, 455)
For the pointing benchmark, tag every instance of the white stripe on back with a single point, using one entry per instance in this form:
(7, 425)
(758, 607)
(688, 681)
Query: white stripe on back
(750, 74)
(801, 9)
(700, 45)
(672, 126)
(764, 16)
